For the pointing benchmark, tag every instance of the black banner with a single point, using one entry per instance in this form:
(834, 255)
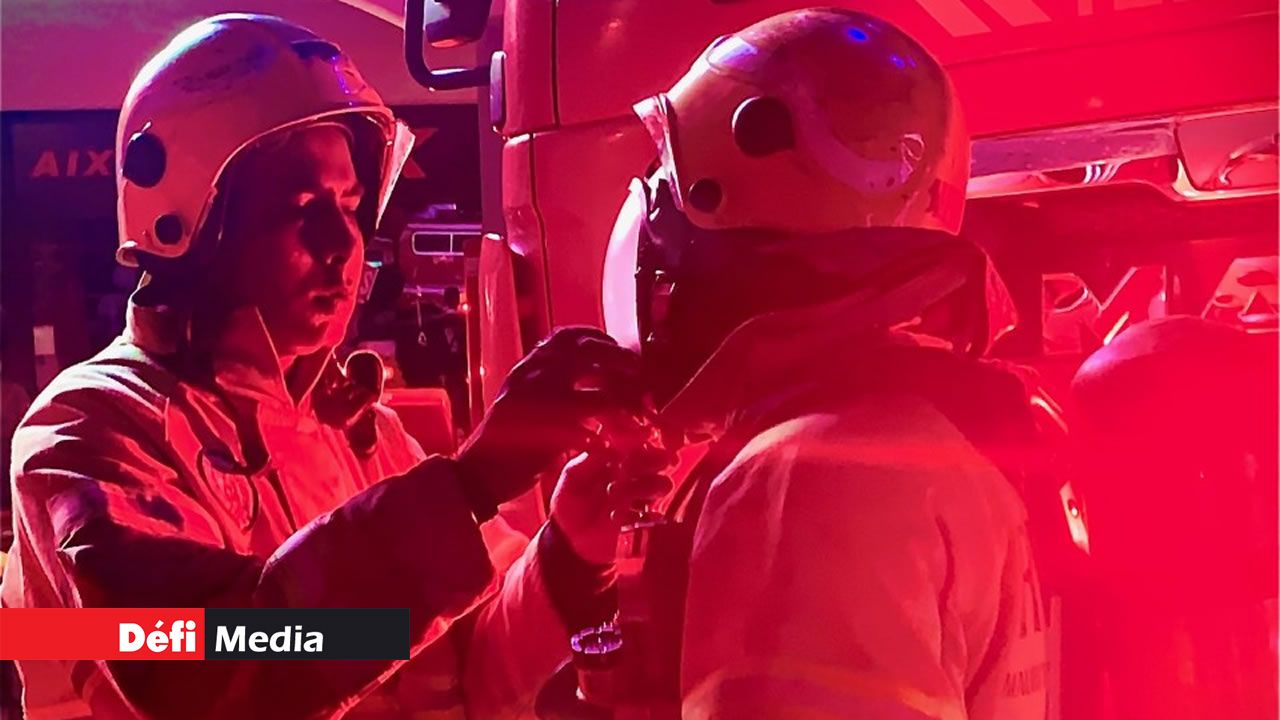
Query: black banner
(62, 164)
(306, 634)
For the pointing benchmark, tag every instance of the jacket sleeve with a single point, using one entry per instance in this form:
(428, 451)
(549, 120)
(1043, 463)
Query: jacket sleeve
(522, 636)
(846, 575)
(111, 524)
(511, 645)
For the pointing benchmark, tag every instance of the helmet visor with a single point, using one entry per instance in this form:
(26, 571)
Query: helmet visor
(658, 115)
(618, 293)
(399, 147)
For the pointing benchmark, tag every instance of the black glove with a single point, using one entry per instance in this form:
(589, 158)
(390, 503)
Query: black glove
(544, 411)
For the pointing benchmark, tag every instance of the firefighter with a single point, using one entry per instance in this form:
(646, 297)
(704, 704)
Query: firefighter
(792, 275)
(217, 454)
(1175, 427)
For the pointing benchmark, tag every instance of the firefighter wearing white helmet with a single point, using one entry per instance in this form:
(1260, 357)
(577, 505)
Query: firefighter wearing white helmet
(217, 454)
(218, 88)
(792, 276)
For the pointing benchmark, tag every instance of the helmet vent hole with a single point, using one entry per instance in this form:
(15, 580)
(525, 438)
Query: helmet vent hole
(144, 160)
(762, 126)
(169, 229)
(705, 195)
(321, 49)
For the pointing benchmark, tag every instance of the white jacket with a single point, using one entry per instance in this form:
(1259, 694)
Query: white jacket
(126, 495)
(858, 558)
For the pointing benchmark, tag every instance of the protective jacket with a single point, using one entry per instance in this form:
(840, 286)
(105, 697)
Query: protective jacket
(168, 472)
(861, 552)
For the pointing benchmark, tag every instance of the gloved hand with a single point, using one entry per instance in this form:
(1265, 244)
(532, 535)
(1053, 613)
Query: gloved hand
(600, 490)
(544, 412)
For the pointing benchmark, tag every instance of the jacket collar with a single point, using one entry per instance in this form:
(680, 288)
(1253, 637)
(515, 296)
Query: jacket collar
(237, 354)
(775, 357)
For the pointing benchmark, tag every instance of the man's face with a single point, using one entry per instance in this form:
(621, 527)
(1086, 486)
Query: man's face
(293, 247)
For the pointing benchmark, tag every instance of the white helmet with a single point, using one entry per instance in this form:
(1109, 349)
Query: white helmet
(219, 86)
